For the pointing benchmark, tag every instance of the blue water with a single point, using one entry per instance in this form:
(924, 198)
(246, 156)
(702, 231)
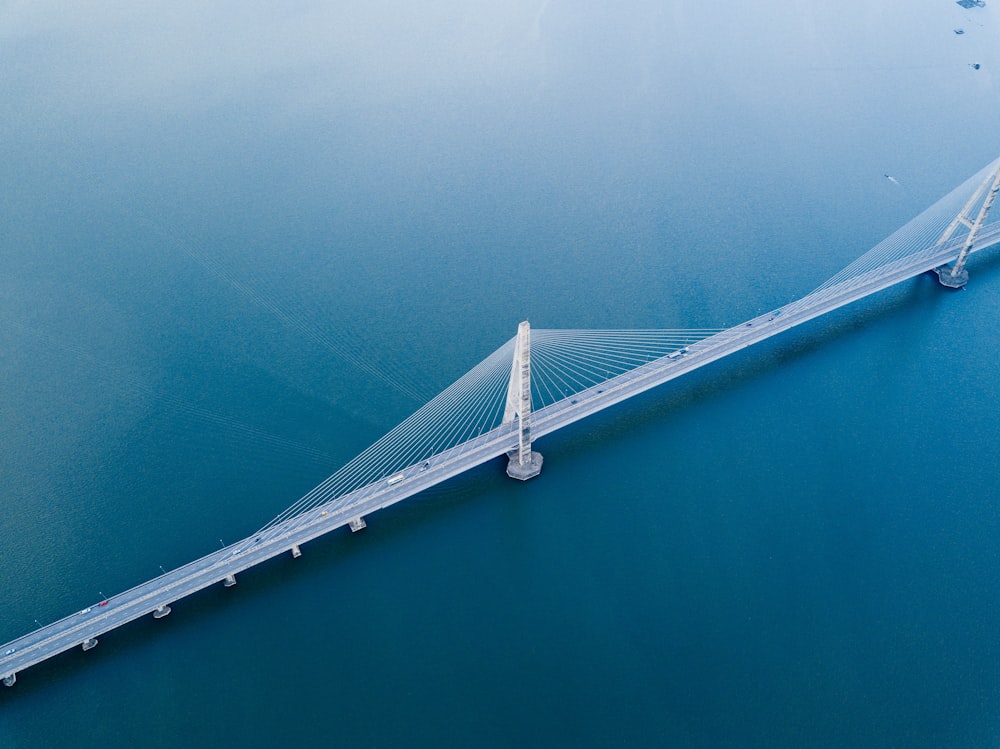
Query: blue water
(794, 547)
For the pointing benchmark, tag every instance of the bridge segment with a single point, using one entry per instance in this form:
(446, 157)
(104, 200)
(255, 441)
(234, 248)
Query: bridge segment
(155, 596)
(659, 371)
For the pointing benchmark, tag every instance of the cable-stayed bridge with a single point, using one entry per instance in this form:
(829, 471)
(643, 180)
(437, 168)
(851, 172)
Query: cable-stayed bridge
(538, 382)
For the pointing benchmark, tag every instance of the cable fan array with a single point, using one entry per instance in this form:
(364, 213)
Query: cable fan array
(470, 406)
(563, 363)
(919, 235)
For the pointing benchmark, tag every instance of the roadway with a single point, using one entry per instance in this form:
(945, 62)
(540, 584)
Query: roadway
(93, 622)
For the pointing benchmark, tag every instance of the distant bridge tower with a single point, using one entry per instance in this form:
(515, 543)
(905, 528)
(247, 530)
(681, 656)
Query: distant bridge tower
(523, 464)
(957, 276)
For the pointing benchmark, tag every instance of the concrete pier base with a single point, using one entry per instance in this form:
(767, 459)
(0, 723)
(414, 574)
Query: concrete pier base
(296, 551)
(947, 277)
(161, 612)
(526, 471)
(230, 581)
(357, 524)
(8, 681)
(89, 644)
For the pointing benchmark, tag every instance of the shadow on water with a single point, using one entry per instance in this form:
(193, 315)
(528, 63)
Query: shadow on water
(984, 266)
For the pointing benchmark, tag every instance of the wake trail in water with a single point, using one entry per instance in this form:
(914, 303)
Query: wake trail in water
(117, 376)
(386, 372)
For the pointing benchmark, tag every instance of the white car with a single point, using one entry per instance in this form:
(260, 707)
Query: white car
(10, 652)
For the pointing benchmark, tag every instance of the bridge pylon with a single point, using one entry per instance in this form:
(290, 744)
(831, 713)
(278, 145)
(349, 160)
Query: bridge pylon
(956, 276)
(522, 463)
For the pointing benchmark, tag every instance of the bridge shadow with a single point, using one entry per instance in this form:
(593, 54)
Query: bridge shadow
(984, 266)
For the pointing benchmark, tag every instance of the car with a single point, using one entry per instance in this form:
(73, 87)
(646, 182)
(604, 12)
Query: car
(10, 652)
(87, 610)
(103, 603)
(425, 466)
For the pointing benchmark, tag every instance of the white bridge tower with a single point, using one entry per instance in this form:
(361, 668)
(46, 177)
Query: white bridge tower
(956, 276)
(523, 464)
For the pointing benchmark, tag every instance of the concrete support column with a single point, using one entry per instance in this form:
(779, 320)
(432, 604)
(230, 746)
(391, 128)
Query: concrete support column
(89, 644)
(523, 464)
(296, 551)
(357, 524)
(230, 581)
(161, 611)
(8, 681)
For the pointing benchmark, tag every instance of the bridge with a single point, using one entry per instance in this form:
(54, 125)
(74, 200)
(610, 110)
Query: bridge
(535, 384)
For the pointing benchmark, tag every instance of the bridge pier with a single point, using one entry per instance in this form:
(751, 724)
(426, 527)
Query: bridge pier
(161, 611)
(296, 551)
(230, 581)
(522, 463)
(89, 644)
(357, 524)
(952, 278)
(523, 471)
(8, 681)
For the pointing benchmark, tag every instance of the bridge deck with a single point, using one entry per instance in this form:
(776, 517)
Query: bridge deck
(147, 598)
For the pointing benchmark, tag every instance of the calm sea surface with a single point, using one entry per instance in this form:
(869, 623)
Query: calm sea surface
(794, 547)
